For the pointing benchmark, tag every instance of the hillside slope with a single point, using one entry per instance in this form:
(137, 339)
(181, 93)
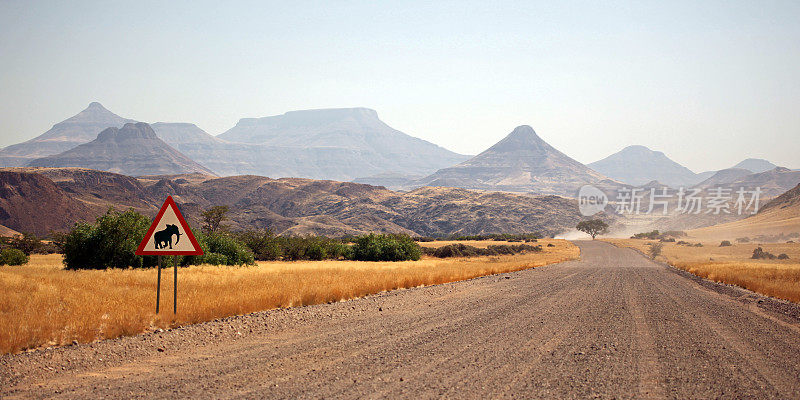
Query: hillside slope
(31, 202)
(780, 216)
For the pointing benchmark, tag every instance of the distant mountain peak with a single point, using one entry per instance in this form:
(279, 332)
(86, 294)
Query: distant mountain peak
(637, 147)
(522, 138)
(521, 161)
(638, 165)
(755, 165)
(95, 113)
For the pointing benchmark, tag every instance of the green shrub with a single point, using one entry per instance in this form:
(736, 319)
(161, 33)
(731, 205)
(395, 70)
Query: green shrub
(655, 250)
(28, 243)
(263, 244)
(385, 247)
(266, 246)
(220, 248)
(13, 257)
(215, 259)
(316, 251)
(652, 235)
(462, 250)
(108, 243)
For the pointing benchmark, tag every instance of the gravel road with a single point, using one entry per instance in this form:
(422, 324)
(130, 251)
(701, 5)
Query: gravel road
(613, 325)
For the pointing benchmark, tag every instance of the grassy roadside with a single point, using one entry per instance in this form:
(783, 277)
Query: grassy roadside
(45, 305)
(733, 265)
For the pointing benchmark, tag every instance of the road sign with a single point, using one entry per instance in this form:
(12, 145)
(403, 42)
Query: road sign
(169, 225)
(169, 235)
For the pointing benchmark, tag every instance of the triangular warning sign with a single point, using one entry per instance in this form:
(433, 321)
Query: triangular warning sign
(169, 235)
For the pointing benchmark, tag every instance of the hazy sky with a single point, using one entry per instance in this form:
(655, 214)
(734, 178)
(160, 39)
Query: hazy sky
(708, 83)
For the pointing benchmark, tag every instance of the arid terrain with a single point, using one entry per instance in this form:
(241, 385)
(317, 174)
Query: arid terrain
(45, 305)
(610, 325)
(733, 264)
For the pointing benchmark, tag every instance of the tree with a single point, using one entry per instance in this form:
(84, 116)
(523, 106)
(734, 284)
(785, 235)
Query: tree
(593, 227)
(213, 218)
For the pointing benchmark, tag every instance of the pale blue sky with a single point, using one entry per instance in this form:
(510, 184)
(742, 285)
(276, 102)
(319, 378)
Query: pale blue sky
(708, 83)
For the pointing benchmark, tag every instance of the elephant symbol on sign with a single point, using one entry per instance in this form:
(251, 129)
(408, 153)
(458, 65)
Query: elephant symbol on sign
(163, 238)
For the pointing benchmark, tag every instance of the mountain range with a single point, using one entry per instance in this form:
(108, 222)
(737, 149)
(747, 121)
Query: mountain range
(286, 205)
(341, 144)
(353, 144)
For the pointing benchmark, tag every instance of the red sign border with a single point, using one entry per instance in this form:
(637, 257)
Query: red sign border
(169, 202)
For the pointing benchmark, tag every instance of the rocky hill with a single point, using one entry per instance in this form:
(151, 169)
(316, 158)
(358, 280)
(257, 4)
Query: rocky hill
(301, 206)
(521, 162)
(76, 130)
(637, 165)
(133, 149)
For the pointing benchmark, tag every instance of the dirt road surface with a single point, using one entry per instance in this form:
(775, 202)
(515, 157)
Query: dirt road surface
(612, 325)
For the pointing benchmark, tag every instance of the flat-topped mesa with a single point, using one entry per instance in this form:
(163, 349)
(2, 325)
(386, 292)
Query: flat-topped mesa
(311, 117)
(129, 131)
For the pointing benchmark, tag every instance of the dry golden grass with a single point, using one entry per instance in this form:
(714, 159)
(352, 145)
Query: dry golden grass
(770, 222)
(45, 305)
(732, 265)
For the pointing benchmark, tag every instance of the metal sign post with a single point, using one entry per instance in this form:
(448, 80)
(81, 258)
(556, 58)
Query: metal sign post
(175, 286)
(158, 286)
(169, 225)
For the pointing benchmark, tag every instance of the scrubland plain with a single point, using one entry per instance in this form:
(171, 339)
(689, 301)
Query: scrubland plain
(45, 305)
(733, 265)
